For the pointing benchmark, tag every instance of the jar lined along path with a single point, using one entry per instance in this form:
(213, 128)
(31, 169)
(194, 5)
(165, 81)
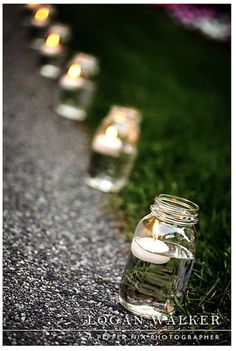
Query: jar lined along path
(114, 149)
(76, 87)
(53, 50)
(161, 258)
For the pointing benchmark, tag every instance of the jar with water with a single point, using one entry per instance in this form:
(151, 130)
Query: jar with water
(114, 148)
(53, 50)
(161, 258)
(76, 87)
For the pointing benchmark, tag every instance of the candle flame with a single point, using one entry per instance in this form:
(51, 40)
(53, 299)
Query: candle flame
(111, 132)
(155, 229)
(41, 14)
(74, 71)
(53, 40)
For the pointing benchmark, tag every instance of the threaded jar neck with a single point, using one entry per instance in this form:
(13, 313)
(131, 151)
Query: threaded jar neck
(175, 210)
(121, 113)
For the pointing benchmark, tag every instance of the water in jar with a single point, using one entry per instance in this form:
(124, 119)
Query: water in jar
(110, 172)
(74, 104)
(148, 289)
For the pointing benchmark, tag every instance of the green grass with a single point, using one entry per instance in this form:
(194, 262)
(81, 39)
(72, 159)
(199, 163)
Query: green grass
(181, 83)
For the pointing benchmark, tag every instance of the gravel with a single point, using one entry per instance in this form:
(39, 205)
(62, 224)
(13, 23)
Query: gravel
(63, 254)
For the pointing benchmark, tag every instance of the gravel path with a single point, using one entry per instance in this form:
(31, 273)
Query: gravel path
(63, 254)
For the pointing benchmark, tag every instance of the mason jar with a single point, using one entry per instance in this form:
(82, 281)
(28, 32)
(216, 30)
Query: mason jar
(161, 258)
(76, 87)
(53, 51)
(114, 148)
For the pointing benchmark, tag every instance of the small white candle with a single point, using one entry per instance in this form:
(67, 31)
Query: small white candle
(52, 45)
(148, 249)
(72, 80)
(108, 143)
(51, 51)
(71, 84)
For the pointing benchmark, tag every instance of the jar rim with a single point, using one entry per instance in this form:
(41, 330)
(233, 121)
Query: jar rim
(177, 201)
(60, 28)
(128, 112)
(175, 209)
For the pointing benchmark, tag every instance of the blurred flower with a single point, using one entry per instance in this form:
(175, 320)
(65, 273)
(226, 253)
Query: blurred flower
(213, 21)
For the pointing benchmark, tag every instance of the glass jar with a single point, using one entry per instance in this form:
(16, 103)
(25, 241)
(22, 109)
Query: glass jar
(53, 51)
(76, 88)
(161, 258)
(114, 148)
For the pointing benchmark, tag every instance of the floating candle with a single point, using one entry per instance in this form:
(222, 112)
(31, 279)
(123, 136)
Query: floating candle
(71, 84)
(52, 46)
(74, 71)
(72, 80)
(108, 143)
(148, 249)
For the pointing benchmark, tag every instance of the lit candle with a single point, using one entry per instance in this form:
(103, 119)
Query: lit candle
(148, 249)
(52, 46)
(88, 64)
(41, 16)
(28, 11)
(53, 51)
(108, 143)
(72, 80)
